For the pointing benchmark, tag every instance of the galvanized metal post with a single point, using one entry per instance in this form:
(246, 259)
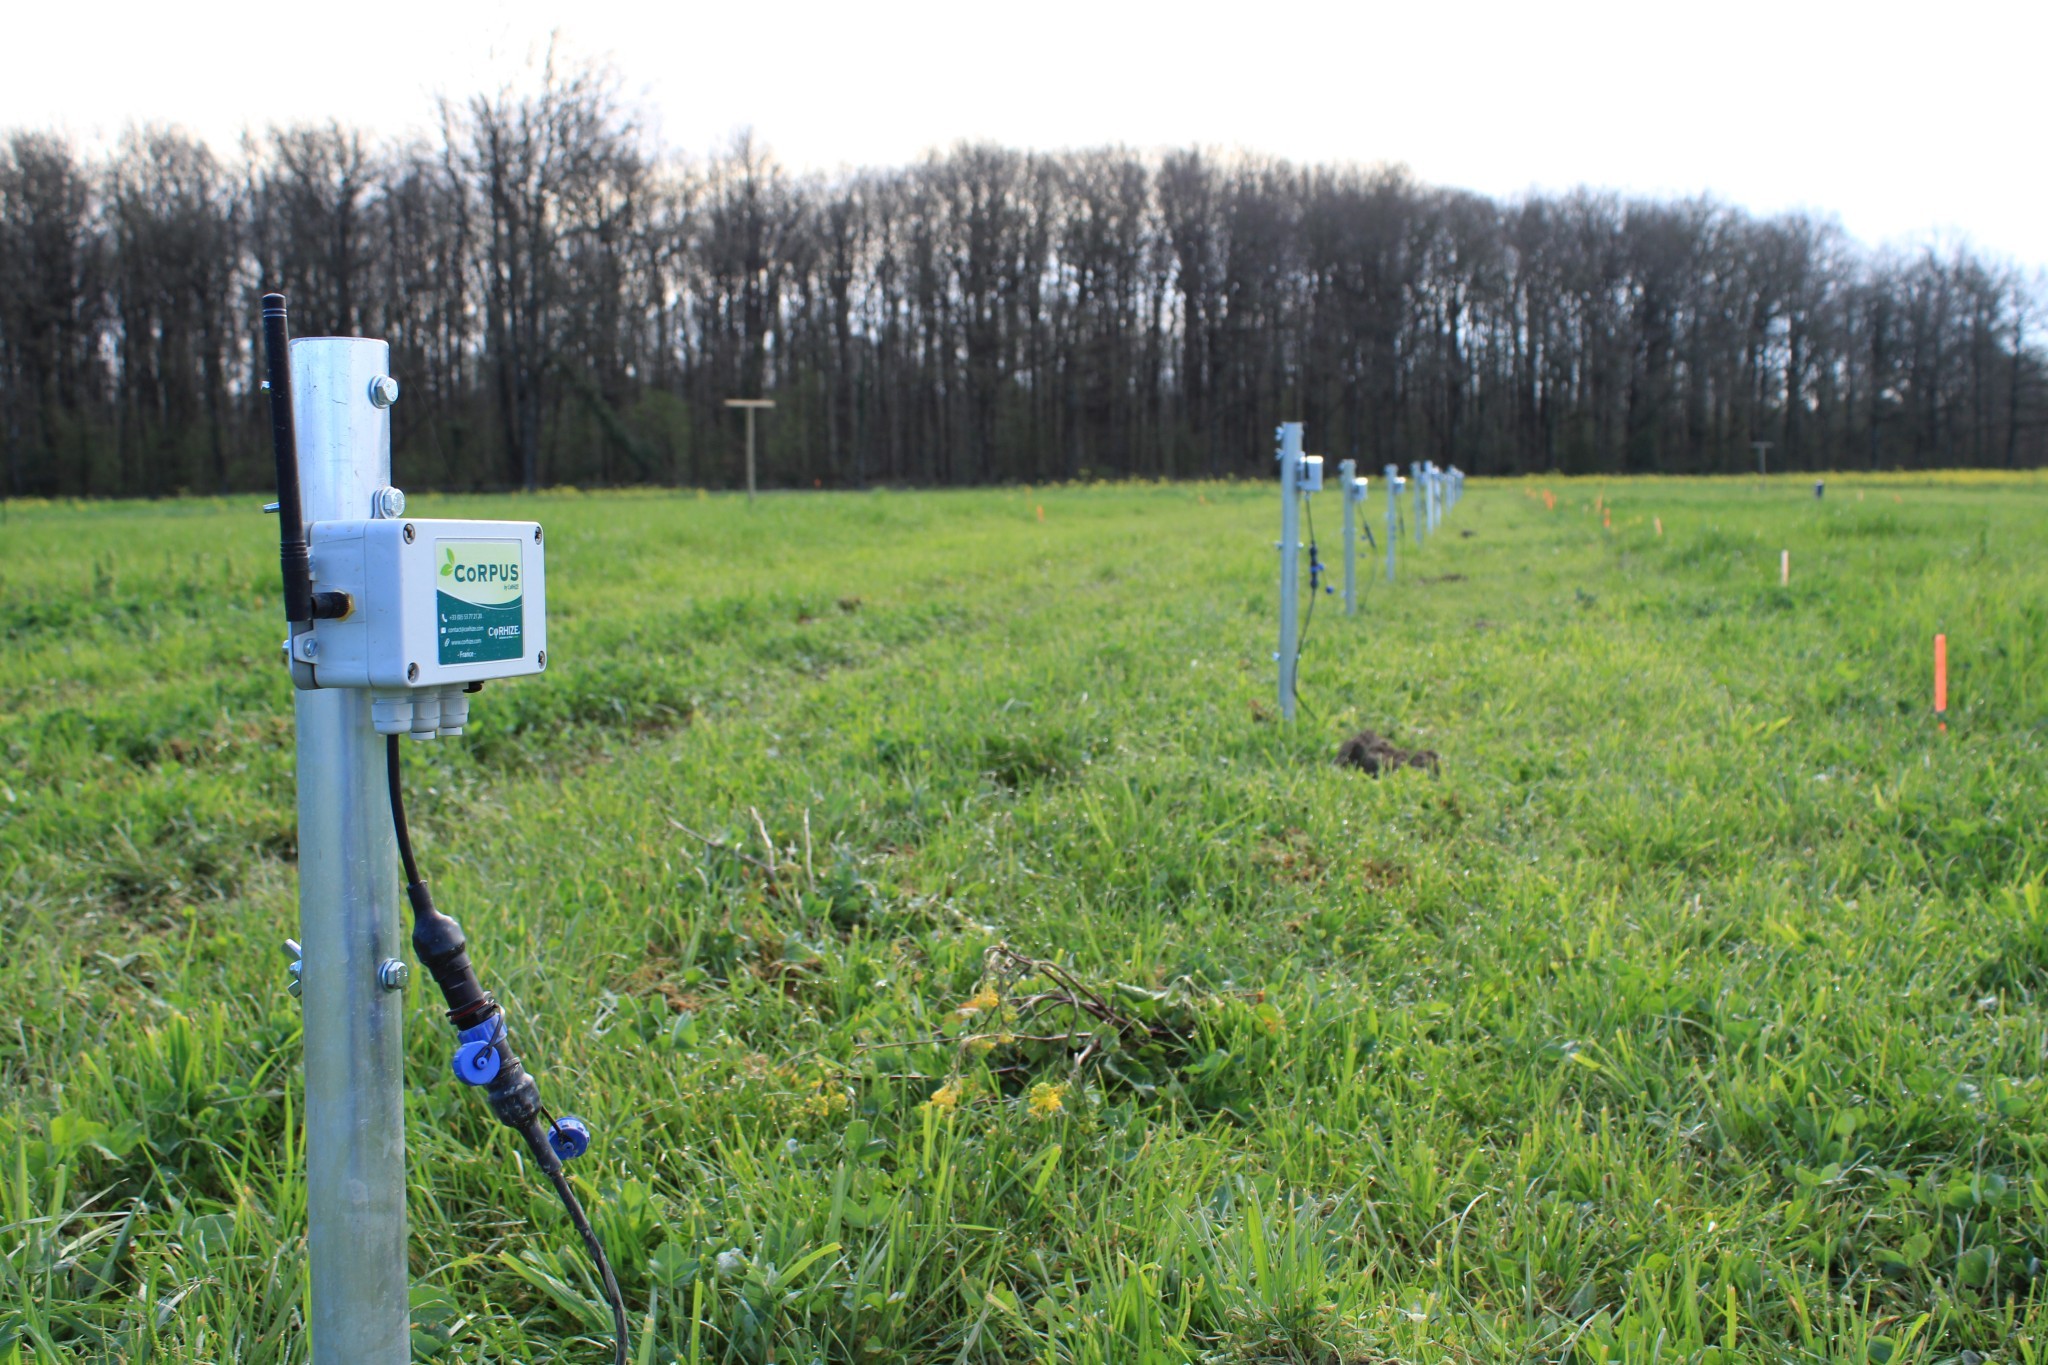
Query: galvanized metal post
(1348, 471)
(1415, 498)
(1393, 476)
(750, 454)
(348, 913)
(750, 404)
(1289, 438)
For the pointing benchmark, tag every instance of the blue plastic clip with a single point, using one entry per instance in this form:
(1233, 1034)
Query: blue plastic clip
(477, 1061)
(570, 1137)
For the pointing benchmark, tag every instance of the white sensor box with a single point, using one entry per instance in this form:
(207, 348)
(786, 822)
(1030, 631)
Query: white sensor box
(434, 604)
(1310, 478)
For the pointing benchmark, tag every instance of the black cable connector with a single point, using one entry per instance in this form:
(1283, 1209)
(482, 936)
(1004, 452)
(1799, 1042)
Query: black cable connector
(438, 942)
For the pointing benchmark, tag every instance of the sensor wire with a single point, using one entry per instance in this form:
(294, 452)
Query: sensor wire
(399, 828)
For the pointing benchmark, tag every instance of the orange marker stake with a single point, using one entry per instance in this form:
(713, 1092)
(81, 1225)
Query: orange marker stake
(1784, 568)
(1941, 681)
(1041, 511)
(1660, 524)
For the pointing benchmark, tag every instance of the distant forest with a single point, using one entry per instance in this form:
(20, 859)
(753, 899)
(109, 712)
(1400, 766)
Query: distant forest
(565, 306)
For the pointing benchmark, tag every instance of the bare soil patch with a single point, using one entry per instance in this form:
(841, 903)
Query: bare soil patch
(1375, 754)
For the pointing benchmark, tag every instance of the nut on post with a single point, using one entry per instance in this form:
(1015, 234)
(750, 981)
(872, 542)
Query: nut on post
(383, 391)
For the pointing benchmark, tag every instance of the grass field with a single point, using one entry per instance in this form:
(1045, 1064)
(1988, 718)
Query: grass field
(959, 962)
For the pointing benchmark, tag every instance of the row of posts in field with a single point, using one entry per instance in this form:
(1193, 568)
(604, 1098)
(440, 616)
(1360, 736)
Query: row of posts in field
(1432, 494)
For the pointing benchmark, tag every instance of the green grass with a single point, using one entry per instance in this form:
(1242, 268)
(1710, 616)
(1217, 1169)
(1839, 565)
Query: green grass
(1693, 1013)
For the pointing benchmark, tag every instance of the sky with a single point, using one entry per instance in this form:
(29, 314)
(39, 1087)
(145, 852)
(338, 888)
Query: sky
(1910, 123)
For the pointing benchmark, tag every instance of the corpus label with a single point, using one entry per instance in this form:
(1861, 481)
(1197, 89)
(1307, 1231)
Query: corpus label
(481, 605)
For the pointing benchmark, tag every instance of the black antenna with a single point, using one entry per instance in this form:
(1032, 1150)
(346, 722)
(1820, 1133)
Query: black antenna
(291, 516)
(301, 603)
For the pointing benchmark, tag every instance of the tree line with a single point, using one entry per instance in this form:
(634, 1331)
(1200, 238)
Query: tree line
(565, 305)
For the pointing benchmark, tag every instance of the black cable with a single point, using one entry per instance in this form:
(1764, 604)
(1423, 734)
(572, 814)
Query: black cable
(397, 784)
(513, 1097)
(1308, 618)
(604, 1266)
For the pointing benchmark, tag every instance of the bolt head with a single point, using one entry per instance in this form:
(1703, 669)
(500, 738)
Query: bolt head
(409, 533)
(387, 504)
(309, 646)
(412, 672)
(393, 973)
(383, 391)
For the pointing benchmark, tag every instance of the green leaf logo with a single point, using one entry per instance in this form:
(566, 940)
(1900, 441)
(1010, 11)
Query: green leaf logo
(448, 564)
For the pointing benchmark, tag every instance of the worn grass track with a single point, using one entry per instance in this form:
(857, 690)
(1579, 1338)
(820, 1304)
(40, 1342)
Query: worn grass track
(959, 963)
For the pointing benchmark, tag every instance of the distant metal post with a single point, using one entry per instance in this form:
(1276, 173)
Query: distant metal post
(1393, 477)
(348, 913)
(750, 404)
(1290, 560)
(1348, 471)
(1415, 497)
(1762, 449)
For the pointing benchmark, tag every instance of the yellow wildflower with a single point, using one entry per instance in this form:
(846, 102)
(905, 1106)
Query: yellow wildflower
(1046, 1099)
(984, 999)
(825, 1101)
(946, 1097)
